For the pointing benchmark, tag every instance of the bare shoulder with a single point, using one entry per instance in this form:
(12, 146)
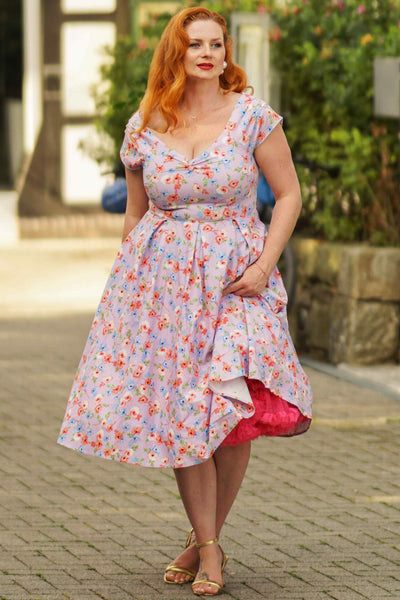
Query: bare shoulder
(232, 97)
(156, 121)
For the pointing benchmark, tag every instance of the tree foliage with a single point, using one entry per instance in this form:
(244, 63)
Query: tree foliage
(325, 51)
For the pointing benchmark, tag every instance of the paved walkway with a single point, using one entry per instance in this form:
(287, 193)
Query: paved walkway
(318, 516)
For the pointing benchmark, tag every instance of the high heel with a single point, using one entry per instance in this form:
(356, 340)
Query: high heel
(218, 586)
(174, 569)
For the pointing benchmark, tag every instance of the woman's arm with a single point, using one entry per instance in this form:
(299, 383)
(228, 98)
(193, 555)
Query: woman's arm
(275, 160)
(137, 202)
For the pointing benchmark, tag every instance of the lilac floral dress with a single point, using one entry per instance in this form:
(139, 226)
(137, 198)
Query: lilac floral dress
(164, 377)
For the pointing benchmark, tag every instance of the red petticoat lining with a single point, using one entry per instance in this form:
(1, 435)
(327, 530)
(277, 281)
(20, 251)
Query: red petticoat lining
(273, 417)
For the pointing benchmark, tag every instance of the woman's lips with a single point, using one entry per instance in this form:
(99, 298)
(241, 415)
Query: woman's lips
(205, 66)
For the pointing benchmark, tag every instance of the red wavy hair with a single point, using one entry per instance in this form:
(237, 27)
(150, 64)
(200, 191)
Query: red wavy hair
(167, 77)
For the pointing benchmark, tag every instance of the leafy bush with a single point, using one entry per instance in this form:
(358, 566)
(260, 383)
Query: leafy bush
(325, 51)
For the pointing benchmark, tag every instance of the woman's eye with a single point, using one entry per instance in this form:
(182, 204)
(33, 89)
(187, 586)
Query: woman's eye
(196, 45)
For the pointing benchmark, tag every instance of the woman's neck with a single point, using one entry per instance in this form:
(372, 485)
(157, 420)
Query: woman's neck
(199, 97)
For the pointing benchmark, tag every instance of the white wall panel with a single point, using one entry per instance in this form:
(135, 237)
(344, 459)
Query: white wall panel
(81, 55)
(88, 6)
(81, 179)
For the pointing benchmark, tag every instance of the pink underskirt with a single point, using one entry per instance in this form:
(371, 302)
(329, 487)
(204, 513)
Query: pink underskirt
(273, 417)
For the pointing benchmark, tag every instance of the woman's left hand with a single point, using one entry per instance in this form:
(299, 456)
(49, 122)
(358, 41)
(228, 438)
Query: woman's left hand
(251, 283)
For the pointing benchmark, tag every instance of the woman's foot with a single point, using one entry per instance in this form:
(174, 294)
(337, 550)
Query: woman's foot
(184, 567)
(209, 578)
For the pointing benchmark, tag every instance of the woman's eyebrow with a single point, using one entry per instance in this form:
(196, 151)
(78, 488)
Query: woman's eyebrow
(218, 39)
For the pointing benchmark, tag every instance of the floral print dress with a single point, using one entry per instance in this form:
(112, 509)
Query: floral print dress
(171, 368)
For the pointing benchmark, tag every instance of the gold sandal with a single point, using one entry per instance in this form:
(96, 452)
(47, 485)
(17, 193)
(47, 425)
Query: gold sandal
(174, 569)
(218, 586)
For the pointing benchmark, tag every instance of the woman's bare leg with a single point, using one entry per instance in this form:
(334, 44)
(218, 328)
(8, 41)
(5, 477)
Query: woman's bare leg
(198, 490)
(231, 463)
(208, 491)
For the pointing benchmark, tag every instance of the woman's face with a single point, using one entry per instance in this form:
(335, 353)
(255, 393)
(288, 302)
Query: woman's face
(206, 52)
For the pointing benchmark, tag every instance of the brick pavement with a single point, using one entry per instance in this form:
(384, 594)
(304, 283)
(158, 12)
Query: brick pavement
(317, 517)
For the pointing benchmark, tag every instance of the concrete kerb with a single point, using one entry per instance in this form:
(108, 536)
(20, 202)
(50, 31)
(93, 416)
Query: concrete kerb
(384, 379)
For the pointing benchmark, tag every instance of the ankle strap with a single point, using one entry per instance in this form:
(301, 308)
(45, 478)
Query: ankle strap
(214, 541)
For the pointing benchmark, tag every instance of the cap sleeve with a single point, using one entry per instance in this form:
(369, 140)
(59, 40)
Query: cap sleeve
(130, 153)
(266, 121)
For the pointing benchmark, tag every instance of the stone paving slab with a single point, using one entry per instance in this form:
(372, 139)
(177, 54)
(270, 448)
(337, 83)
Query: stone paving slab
(317, 518)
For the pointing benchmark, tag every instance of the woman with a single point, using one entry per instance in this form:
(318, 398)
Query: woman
(189, 356)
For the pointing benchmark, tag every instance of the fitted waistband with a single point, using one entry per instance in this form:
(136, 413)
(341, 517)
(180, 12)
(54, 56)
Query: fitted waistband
(201, 212)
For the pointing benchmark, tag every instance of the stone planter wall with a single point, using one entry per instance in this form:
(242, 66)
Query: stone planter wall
(347, 306)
